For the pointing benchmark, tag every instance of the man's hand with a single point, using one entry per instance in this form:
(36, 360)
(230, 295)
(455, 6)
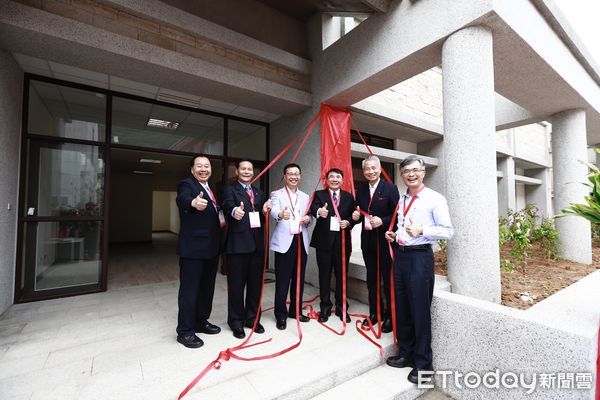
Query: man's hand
(390, 236)
(239, 212)
(305, 220)
(199, 202)
(285, 214)
(344, 224)
(267, 206)
(376, 222)
(323, 212)
(356, 214)
(413, 229)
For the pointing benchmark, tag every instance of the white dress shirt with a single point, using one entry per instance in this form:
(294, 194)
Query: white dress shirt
(430, 210)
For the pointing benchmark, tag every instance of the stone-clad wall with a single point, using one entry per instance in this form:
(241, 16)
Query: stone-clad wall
(169, 37)
(11, 87)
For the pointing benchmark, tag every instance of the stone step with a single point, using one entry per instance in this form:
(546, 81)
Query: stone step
(381, 383)
(315, 371)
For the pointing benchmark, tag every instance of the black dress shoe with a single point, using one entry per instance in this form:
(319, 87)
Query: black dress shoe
(281, 324)
(386, 327)
(302, 318)
(373, 319)
(341, 317)
(239, 333)
(323, 317)
(399, 362)
(259, 328)
(208, 328)
(191, 341)
(426, 375)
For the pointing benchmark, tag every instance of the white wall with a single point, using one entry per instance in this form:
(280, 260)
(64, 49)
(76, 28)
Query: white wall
(161, 213)
(11, 90)
(174, 213)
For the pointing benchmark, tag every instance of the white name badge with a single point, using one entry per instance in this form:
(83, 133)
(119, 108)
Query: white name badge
(254, 219)
(294, 226)
(221, 219)
(367, 224)
(334, 224)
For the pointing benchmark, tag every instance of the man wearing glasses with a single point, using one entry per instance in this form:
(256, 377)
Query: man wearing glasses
(289, 208)
(423, 218)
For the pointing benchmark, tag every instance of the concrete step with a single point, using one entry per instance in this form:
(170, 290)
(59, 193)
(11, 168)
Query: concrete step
(381, 383)
(326, 361)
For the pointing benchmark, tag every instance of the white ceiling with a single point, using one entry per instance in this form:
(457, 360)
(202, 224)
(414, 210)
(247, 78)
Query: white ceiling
(78, 75)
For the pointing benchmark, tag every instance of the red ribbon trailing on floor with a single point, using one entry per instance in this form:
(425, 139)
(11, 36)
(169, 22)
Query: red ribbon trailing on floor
(335, 130)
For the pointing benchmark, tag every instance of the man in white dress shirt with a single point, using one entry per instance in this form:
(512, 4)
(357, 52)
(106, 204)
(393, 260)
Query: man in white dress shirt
(423, 218)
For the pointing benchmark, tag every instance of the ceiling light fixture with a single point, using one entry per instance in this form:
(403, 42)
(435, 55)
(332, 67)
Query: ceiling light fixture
(150, 161)
(159, 123)
(143, 172)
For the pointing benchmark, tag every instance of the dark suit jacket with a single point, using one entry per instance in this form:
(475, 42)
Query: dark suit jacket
(385, 199)
(199, 231)
(323, 237)
(241, 239)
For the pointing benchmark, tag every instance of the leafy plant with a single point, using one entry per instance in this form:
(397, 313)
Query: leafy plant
(590, 210)
(520, 231)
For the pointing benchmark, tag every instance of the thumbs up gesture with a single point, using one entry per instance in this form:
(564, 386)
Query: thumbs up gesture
(239, 212)
(285, 214)
(413, 229)
(323, 212)
(199, 202)
(356, 214)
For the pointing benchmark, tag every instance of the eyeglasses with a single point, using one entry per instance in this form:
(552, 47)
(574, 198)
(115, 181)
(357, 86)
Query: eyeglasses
(406, 172)
(294, 174)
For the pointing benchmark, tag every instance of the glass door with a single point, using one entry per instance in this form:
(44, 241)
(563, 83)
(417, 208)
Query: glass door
(63, 219)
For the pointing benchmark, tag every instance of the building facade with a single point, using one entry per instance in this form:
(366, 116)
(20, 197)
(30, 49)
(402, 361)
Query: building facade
(500, 98)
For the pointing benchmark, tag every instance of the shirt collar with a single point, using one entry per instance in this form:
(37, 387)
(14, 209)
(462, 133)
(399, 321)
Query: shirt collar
(374, 186)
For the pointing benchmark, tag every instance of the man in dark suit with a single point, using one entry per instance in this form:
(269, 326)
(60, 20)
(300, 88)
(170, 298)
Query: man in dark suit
(201, 221)
(327, 239)
(378, 199)
(245, 206)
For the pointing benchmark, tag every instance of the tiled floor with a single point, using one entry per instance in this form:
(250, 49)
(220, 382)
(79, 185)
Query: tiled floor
(121, 345)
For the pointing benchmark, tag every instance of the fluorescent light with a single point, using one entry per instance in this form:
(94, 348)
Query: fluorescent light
(150, 160)
(159, 123)
(143, 172)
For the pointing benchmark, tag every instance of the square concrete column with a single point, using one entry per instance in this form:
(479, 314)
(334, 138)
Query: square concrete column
(569, 146)
(540, 194)
(507, 198)
(470, 163)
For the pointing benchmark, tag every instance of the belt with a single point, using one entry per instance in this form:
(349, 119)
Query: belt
(419, 247)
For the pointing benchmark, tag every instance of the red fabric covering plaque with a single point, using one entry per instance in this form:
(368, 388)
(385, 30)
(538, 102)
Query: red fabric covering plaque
(335, 144)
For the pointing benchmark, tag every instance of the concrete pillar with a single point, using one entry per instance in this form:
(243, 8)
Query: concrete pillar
(540, 194)
(507, 197)
(568, 148)
(11, 94)
(435, 175)
(470, 163)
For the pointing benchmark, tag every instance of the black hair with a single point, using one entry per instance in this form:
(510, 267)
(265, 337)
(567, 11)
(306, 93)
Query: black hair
(291, 165)
(193, 160)
(336, 170)
(237, 165)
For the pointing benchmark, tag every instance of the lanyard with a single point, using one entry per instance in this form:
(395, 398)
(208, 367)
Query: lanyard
(410, 203)
(292, 205)
(212, 196)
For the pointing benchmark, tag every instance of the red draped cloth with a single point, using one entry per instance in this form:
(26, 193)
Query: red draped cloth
(335, 143)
